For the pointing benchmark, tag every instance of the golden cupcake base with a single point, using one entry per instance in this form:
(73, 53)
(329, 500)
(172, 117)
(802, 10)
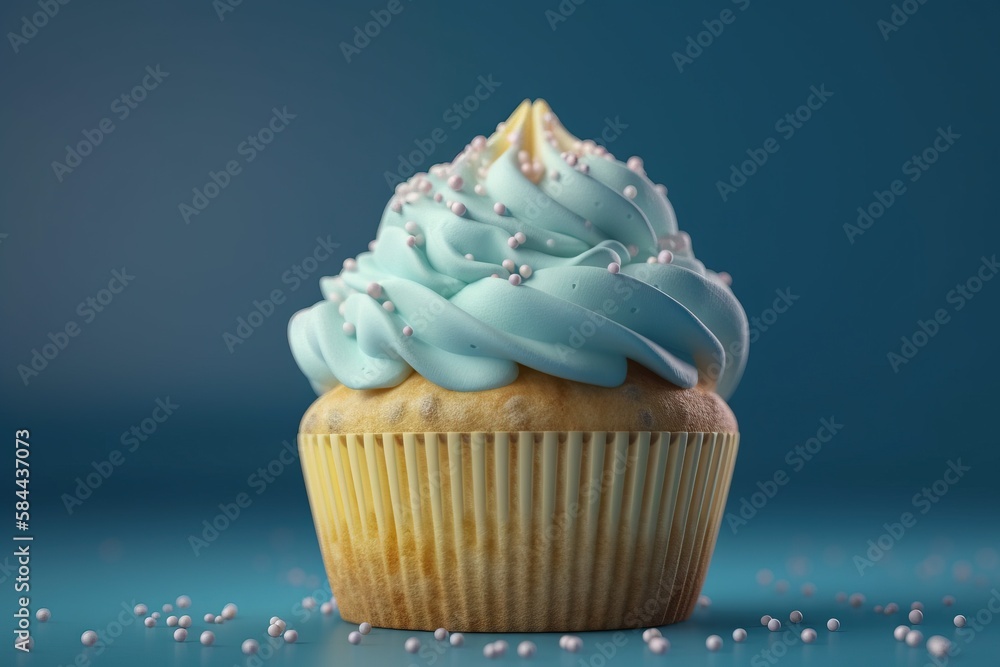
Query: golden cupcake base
(517, 532)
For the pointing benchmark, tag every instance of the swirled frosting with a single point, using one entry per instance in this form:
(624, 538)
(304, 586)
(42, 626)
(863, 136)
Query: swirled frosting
(533, 248)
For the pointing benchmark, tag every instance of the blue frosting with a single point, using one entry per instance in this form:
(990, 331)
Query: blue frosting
(600, 275)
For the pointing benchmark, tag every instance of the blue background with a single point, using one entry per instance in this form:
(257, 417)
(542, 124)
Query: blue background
(323, 176)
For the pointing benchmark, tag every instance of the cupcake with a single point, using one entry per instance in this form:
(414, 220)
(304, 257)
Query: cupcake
(521, 422)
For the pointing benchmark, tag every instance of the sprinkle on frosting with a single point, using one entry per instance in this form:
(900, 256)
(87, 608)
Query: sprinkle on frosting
(532, 179)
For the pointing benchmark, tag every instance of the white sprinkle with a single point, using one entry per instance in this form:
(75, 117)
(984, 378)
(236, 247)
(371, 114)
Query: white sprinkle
(365, 628)
(499, 208)
(662, 189)
(457, 639)
(438, 197)
(479, 142)
(630, 192)
(210, 618)
(469, 256)
(219, 620)
(291, 636)
(526, 649)
(229, 611)
(207, 638)
(372, 245)
(455, 182)
(634, 163)
(489, 651)
(171, 621)
(184, 601)
(89, 638)
(180, 634)
(350, 264)
(500, 646)
(795, 616)
(659, 645)
(458, 208)
(583, 169)
(550, 243)
(891, 608)
(713, 643)
(411, 241)
(410, 226)
(508, 264)
(916, 617)
(914, 638)
(650, 633)
(326, 607)
(514, 279)
(521, 238)
(571, 643)
(374, 291)
(948, 600)
(570, 159)
(396, 206)
(140, 609)
(959, 621)
(554, 175)
(274, 630)
(184, 621)
(43, 615)
(412, 645)
(407, 330)
(349, 329)
(167, 608)
(512, 243)
(249, 647)
(900, 632)
(665, 257)
(808, 636)
(739, 635)
(440, 634)
(354, 637)
(856, 599)
(155, 615)
(938, 646)
(774, 625)
(614, 267)
(149, 621)
(479, 189)
(310, 602)
(833, 625)
(917, 605)
(765, 619)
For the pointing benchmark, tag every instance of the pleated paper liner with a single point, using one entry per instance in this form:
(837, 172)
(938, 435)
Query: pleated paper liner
(517, 532)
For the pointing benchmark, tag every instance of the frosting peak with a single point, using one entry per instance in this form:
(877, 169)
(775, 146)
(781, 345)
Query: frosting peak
(535, 248)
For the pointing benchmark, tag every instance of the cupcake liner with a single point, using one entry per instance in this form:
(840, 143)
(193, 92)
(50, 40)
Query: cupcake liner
(526, 531)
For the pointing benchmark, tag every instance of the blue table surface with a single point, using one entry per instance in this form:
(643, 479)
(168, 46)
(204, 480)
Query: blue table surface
(90, 570)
